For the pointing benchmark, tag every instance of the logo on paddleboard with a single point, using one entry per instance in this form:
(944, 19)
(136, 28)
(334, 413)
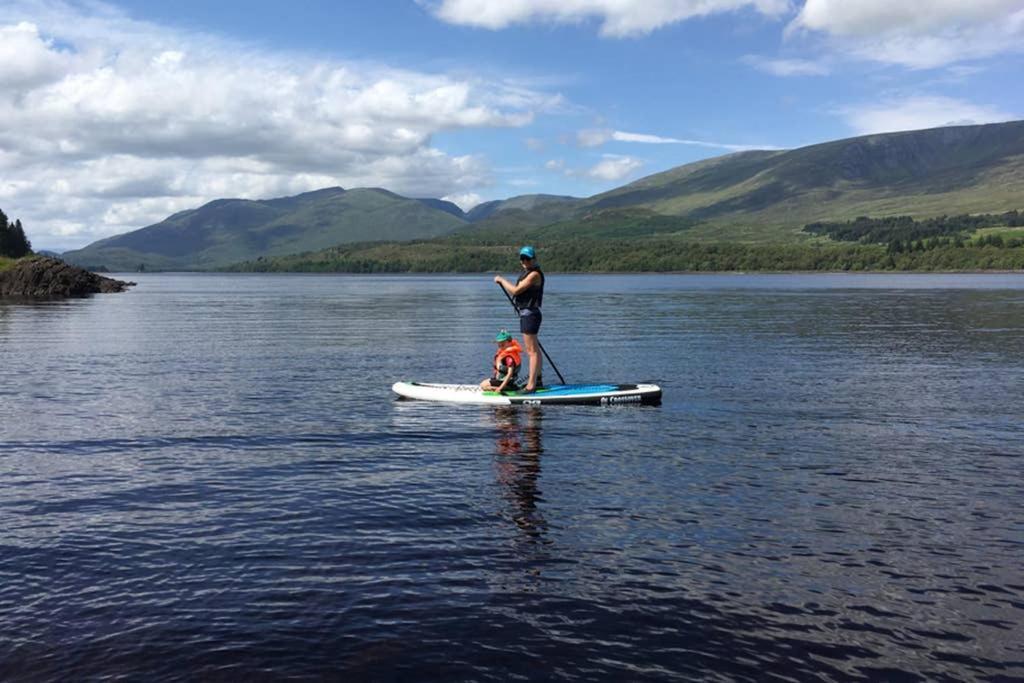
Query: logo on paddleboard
(620, 399)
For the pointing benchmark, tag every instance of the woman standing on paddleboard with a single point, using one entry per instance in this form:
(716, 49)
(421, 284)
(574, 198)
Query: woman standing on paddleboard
(528, 295)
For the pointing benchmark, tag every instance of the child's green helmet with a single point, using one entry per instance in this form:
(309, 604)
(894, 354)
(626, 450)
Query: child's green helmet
(503, 335)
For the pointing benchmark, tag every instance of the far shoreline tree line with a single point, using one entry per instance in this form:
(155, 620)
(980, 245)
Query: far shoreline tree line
(641, 255)
(897, 243)
(13, 243)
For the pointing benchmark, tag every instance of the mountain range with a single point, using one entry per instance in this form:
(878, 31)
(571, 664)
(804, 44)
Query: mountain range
(764, 196)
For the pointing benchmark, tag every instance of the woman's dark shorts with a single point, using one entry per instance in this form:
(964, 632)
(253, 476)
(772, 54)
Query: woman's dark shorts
(529, 320)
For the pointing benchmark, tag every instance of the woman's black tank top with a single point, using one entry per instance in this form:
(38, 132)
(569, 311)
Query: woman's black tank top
(534, 296)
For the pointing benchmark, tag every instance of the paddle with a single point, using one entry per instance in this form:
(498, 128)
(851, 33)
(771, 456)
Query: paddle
(507, 296)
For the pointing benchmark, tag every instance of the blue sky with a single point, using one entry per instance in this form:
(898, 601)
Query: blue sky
(120, 113)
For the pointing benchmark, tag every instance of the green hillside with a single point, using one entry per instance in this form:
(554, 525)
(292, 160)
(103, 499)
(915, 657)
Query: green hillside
(226, 231)
(546, 208)
(769, 196)
(517, 225)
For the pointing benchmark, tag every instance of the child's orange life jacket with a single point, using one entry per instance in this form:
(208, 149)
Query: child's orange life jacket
(513, 351)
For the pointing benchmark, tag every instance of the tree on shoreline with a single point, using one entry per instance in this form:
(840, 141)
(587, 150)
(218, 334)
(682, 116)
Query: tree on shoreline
(13, 242)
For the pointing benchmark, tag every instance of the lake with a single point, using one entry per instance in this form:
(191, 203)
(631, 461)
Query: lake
(208, 478)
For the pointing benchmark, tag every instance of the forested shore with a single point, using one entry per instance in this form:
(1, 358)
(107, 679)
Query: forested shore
(653, 255)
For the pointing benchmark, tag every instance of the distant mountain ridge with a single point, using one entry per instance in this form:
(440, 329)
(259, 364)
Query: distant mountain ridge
(752, 196)
(225, 231)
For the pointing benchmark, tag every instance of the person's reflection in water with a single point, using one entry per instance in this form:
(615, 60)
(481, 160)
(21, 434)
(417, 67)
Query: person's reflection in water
(518, 454)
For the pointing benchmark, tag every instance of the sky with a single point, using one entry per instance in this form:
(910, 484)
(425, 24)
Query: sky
(114, 115)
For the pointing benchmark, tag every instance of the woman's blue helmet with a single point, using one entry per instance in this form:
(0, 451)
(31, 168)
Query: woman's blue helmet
(528, 252)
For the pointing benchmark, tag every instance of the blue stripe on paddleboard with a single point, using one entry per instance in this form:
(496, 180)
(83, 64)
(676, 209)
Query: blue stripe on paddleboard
(570, 389)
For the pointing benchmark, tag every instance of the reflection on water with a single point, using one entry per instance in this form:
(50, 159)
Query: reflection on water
(518, 462)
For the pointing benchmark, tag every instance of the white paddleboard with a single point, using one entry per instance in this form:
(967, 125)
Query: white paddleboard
(586, 394)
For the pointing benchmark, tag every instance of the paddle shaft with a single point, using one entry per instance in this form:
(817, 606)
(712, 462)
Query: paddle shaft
(511, 301)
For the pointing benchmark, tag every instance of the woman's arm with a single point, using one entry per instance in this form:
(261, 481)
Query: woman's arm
(528, 281)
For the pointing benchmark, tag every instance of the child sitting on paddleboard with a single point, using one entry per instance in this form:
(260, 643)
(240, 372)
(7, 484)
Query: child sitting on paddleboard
(507, 361)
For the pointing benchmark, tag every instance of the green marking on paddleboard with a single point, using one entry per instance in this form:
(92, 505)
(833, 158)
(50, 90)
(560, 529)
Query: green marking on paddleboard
(516, 393)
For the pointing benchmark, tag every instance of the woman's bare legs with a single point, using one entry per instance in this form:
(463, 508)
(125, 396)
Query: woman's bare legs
(533, 351)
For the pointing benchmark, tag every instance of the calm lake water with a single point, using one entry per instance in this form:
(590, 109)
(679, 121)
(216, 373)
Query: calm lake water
(208, 478)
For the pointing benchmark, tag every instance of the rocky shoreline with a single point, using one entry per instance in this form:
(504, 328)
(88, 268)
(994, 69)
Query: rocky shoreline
(42, 277)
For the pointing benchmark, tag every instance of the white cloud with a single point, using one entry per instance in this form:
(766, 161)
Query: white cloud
(613, 167)
(595, 137)
(108, 124)
(464, 200)
(644, 138)
(619, 18)
(26, 59)
(868, 17)
(920, 112)
(786, 67)
(919, 34)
